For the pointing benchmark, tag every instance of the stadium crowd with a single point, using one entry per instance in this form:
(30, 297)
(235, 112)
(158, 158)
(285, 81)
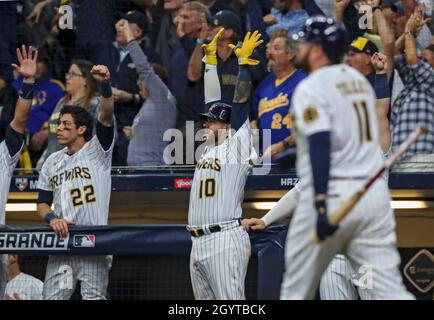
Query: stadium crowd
(157, 79)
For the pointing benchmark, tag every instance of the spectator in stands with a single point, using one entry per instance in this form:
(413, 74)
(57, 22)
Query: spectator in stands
(364, 56)
(256, 10)
(215, 6)
(81, 90)
(167, 40)
(422, 41)
(347, 11)
(47, 93)
(124, 79)
(326, 7)
(415, 104)
(148, 7)
(359, 57)
(370, 58)
(191, 23)
(9, 17)
(381, 32)
(21, 286)
(227, 63)
(5, 63)
(286, 14)
(158, 112)
(37, 24)
(428, 55)
(272, 100)
(405, 10)
(93, 21)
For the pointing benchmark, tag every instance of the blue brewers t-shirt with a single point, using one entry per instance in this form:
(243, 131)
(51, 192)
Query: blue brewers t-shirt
(272, 104)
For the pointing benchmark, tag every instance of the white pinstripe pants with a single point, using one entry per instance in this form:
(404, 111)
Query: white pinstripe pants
(337, 282)
(63, 272)
(218, 265)
(366, 236)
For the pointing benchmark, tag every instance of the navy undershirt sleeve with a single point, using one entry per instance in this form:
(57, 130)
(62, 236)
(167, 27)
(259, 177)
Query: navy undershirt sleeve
(14, 140)
(105, 135)
(319, 151)
(45, 196)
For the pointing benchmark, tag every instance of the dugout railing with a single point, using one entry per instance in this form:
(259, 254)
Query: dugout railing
(152, 261)
(149, 261)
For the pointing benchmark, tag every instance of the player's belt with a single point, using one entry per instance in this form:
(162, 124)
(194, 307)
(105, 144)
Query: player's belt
(349, 178)
(198, 232)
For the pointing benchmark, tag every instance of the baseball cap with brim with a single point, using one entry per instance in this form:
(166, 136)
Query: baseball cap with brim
(218, 111)
(363, 45)
(227, 19)
(320, 29)
(138, 18)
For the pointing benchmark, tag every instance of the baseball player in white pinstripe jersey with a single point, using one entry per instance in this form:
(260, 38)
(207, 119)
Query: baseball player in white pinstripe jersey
(10, 148)
(77, 181)
(340, 281)
(333, 160)
(221, 247)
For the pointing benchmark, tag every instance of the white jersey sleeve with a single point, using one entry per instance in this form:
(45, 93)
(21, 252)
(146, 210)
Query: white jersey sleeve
(241, 148)
(312, 113)
(44, 180)
(284, 208)
(7, 166)
(6, 160)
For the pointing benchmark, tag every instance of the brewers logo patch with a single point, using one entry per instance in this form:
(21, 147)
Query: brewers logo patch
(310, 114)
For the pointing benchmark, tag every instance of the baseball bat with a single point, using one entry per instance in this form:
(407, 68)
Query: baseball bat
(348, 205)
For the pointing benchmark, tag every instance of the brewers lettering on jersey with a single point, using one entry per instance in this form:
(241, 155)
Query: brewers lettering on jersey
(10, 148)
(221, 247)
(77, 181)
(337, 150)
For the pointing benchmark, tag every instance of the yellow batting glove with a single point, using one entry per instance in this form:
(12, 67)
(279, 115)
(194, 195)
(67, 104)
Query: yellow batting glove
(243, 53)
(211, 49)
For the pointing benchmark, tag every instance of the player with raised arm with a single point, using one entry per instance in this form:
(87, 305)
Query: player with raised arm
(77, 181)
(10, 147)
(221, 247)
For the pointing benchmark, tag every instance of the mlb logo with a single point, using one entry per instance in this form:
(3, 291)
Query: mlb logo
(22, 183)
(84, 241)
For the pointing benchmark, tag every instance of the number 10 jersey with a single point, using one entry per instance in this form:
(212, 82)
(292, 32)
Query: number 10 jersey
(218, 184)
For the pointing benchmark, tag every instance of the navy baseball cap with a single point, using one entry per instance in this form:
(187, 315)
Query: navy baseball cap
(363, 45)
(331, 35)
(218, 111)
(227, 19)
(138, 18)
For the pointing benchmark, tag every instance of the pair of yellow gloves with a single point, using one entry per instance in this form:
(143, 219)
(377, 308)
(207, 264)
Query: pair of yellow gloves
(243, 52)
